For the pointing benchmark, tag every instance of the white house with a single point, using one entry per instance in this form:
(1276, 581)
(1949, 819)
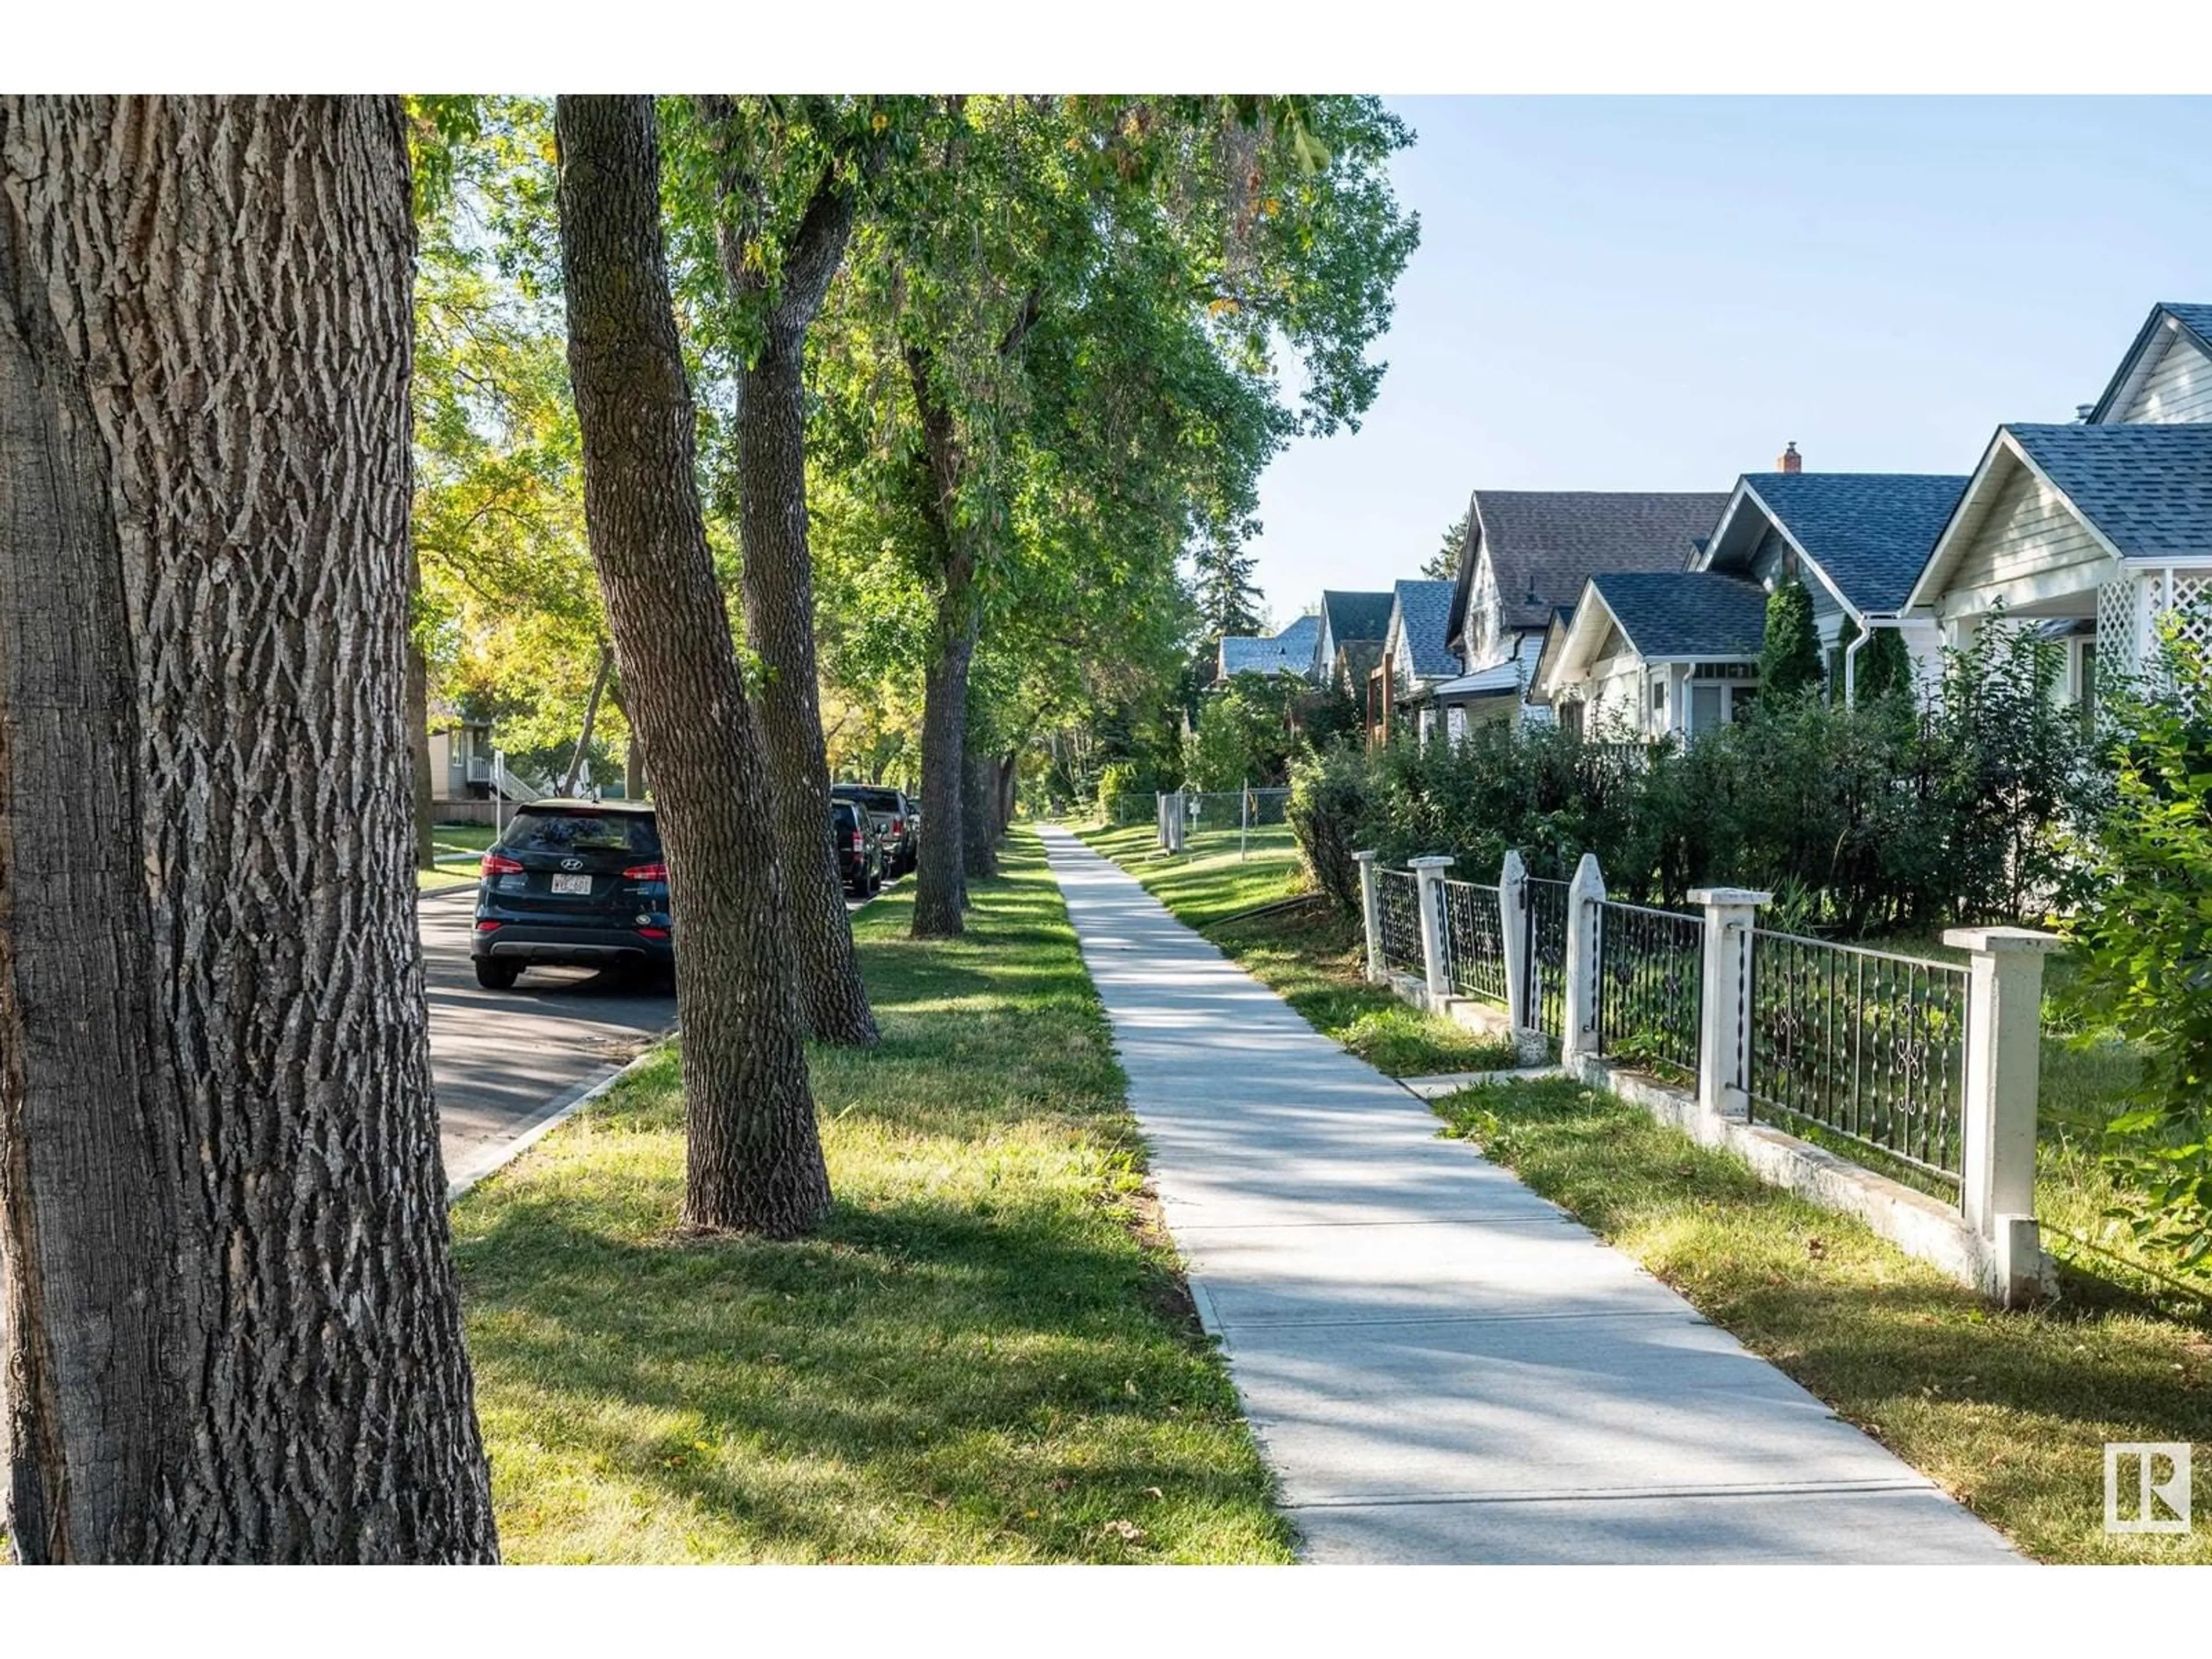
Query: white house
(1528, 557)
(2097, 530)
(1415, 658)
(1648, 654)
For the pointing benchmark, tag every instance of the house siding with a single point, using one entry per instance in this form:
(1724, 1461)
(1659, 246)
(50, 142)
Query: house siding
(2179, 390)
(2029, 534)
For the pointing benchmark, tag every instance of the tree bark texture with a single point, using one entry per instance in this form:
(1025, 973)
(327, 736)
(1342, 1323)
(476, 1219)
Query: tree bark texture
(232, 1329)
(940, 888)
(779, 602)
(754, 1157)
(979, 820)
(418, 729)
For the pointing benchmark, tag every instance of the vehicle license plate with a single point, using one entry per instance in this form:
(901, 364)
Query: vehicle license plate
(572, 885)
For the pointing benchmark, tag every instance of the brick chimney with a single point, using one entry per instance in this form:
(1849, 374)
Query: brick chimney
(1789, 460)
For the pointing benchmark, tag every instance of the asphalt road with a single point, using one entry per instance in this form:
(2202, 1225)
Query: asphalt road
(504, 1060)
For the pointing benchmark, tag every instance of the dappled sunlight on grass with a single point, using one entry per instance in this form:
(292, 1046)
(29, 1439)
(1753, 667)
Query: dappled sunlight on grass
(986, 1355)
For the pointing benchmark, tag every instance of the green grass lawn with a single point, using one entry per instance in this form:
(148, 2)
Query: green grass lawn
(437, 881)
(462, 837)
(986, 1355)
(2009, 1412)
(1313, 958)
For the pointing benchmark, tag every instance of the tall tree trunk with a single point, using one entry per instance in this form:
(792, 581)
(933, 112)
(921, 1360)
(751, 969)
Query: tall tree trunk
(232, 1330)
(779, 601)
(1009, 765)
(754, 1157)
(418, 728)
(941, 887)
(590, 719)
(979, 811)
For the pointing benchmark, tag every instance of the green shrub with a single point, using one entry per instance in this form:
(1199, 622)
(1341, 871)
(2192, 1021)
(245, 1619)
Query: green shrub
(2142, 937)
(1790, 658)
(1878, 817)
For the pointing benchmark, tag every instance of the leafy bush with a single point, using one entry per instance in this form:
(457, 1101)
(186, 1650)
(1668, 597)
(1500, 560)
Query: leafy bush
(1878, 817)
(1790, 658)
(1243, 734)
(2142, 936)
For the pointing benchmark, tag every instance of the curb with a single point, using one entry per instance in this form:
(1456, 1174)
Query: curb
(562, 1107)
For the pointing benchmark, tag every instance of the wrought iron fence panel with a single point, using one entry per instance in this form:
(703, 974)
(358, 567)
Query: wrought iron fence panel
(1474, 941)
(1866, 1045)
(1650, 986)
(1544, 993)
(1400, 902)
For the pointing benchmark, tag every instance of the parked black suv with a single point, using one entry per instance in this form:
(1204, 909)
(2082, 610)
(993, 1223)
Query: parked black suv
(860, 850)
(573, 883)
(896, 819)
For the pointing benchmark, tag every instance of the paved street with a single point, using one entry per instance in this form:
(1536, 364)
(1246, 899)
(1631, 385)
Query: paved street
(504, 1060)
(1440, 1365)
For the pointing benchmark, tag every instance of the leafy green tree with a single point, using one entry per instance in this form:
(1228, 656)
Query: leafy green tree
(1243, 734)
(1228, 598)
(2142, 937)
(1442, 565)
(1216, 232)
(1790, 658)
(1883, 667)
(508, 610)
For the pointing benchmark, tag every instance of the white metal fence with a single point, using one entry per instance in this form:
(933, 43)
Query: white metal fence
(1923, 1071)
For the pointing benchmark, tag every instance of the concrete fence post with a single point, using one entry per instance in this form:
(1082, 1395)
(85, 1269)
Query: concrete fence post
(1370, 911)
(1160, 818)
(1428, 871)
(1578, 1007)
(1178, 809)
(1724, 1022)
(1513, 932)
(2004, 1037)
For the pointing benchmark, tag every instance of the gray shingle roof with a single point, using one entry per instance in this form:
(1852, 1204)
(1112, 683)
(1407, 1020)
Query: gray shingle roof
(1871, 532)
(1356, 615)
(1289, 651)
(1545, 544)
(1424, 606)
(1685, 613)
(2147, 488)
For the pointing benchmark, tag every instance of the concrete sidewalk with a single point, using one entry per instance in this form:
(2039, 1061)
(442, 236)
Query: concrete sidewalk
(1440, 1365)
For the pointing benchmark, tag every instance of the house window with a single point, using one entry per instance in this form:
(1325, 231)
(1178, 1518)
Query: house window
(1570, 718)
(1708, 708)
(1455, 723)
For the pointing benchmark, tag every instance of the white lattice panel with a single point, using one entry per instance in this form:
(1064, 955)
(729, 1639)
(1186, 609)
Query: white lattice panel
(2119, 628)
(2192, 606)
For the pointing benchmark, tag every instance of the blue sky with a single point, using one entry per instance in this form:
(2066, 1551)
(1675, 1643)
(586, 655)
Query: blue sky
(1657, 293)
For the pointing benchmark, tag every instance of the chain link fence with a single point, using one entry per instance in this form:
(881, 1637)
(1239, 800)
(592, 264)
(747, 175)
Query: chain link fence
(1206, 822)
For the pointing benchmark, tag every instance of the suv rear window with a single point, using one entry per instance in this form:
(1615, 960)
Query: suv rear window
(879, 800)
(536, 831)
(844, 815)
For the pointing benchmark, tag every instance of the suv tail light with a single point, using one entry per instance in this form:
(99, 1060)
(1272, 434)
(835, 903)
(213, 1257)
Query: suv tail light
(498, 864)
(859, 841)
(646, 872)
(898, 826)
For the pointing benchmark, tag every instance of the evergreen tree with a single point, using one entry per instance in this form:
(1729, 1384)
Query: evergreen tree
(1789, 661)
(1444, 564)
(1227, 599)
(1883, 667)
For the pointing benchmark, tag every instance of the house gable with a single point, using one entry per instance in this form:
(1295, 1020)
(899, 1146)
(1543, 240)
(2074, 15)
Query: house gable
(2014, 540)
(2166, 375)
